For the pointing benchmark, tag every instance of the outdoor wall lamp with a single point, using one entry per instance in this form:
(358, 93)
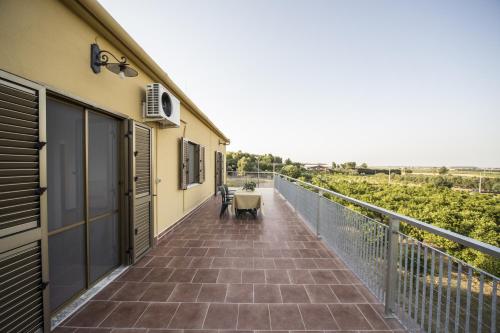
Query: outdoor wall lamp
(100, 58)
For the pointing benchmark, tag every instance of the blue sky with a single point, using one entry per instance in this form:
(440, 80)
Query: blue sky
(383, 82)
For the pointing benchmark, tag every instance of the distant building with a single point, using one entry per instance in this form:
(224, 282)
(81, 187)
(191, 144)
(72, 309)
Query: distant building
(317, 167)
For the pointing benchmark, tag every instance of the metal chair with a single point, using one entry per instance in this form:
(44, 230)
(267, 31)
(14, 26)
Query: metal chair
(228, 192)
(227, 200)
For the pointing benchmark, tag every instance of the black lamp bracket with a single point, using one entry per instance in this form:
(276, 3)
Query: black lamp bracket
(101, 58)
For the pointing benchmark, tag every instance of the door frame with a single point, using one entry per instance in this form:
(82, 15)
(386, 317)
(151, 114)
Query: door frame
(123, 143)
(86, 109)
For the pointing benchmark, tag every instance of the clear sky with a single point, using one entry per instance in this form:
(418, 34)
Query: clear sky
(383, 82)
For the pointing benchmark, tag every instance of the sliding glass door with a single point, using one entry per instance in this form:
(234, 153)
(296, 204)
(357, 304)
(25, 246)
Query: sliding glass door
(83, 198)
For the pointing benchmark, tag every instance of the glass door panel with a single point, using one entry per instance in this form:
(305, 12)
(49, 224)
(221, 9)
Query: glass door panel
(103, 176)
(65, 169)
(65, 201)
(104, 245)
(103, 165)
(67, 265)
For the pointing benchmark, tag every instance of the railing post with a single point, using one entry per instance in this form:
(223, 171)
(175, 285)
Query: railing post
(318, 214)
(392, 268)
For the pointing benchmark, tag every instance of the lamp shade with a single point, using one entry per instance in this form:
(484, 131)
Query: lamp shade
(117, 68)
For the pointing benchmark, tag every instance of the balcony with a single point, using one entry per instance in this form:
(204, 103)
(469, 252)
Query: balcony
(306, 263)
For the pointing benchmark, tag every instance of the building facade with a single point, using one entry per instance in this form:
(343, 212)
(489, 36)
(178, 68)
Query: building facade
(86, 184)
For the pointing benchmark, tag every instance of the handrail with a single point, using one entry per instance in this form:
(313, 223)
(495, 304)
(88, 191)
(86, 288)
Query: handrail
(453, 236)
(251, 172)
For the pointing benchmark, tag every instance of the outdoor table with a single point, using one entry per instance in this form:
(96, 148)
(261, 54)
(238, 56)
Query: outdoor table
(247, 201)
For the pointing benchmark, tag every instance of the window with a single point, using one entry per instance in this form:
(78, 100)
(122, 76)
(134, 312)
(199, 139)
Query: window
(192, 164)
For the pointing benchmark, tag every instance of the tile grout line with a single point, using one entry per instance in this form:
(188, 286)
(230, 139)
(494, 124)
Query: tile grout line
(109, 314)
(334, 294)
(227, 291)
(363, 314)
(379, 316)
(140, 316)
(331, 313)
(199, 292)
(362, 294)
(113, 294)
(237, 315)
(206, 315)
(301, 317)
(173, 316)
(269, 314)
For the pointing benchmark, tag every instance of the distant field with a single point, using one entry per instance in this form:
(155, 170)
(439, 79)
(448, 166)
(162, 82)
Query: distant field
(490, 174)
(495, 173)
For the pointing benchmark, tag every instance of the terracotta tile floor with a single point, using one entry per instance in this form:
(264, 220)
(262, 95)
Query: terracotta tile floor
(212, 275)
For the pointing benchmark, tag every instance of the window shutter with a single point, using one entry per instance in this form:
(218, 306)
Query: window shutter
(217, 174)
(222, 173)
(184, 166)
(142, 228)
(22, 289)
(202, 164)
(219, 170)
(142, 157)
(19, 153)
(24, 305)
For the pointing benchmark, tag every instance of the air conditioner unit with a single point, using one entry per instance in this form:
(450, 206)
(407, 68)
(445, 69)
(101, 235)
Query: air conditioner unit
(162, 106)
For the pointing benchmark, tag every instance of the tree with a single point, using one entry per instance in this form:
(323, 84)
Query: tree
(266, 162)
(364, 165)
(349, 165)
(291, 170)
(442, 182)
(288, 161)
(334, 165)
(249, 164)
(244, 165)
(231, 161)
(443, 170)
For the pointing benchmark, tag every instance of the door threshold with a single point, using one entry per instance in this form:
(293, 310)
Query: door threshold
(74, 306)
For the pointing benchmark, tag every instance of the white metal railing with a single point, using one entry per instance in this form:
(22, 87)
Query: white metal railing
(425, 288)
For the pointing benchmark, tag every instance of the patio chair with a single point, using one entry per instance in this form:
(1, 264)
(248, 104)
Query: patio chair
(230, 193)
(227, 200)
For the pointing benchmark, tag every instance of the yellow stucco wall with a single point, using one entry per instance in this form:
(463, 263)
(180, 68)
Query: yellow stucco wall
(46, 42)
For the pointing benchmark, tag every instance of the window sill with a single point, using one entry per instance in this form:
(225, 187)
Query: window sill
(192, 185)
